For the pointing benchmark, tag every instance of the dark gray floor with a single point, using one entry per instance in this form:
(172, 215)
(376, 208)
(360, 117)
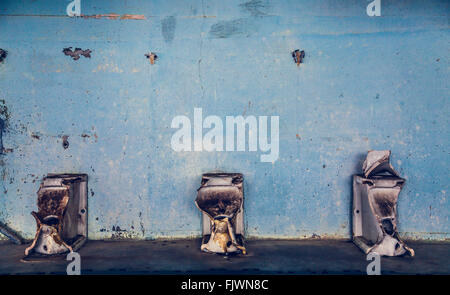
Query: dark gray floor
(264, 257)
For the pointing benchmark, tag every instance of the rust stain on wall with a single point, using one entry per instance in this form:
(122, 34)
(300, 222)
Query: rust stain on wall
(4, 123)
(133, 16)
(116, 16)
(65, 142)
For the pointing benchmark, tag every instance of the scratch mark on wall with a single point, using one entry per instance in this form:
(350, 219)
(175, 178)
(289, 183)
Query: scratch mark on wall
(115, 16)
(35, 136)
(2, 126)
(255, 7)
(107, 16)
(225, 29)
(4, 122)
(65, 142)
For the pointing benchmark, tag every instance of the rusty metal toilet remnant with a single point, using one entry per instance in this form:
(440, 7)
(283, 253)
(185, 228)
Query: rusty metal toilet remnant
(61, 219)
(375, 195)
(220, 198)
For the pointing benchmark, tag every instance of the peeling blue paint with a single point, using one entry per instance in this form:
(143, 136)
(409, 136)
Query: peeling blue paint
(365, 83)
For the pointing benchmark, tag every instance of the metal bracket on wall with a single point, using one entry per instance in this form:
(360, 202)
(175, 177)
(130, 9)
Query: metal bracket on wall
(152, 57)
(298, 56)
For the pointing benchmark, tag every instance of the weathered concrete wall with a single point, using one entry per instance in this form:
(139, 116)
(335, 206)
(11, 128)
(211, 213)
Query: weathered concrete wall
(366, 83)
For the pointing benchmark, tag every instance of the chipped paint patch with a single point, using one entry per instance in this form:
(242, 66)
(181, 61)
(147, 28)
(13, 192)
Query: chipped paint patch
(227, 29)
(75, 54)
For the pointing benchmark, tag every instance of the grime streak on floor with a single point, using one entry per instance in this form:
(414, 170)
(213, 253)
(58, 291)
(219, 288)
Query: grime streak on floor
(264, 257)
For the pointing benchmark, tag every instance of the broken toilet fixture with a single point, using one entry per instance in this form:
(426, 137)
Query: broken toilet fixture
(61, 219)
(298, 56)
(375, 195)
(220, 198)
(152, 57)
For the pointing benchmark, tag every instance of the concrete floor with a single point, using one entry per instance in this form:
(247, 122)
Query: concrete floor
(264, 257)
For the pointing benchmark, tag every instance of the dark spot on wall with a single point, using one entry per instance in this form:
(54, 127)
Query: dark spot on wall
(84, 135)
(323, 166)
(2, 126)
(237, 27)
(168, 26)
(35, 136)
(141, 224)
(3, 54)
(92, 193)
(4, 123)
(4, 113)
(75, 54)
(255, 7)
(117, 228)
(65, 142)
(377, 96)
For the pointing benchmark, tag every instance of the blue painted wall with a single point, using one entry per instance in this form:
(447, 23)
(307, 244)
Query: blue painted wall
(366, 83)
